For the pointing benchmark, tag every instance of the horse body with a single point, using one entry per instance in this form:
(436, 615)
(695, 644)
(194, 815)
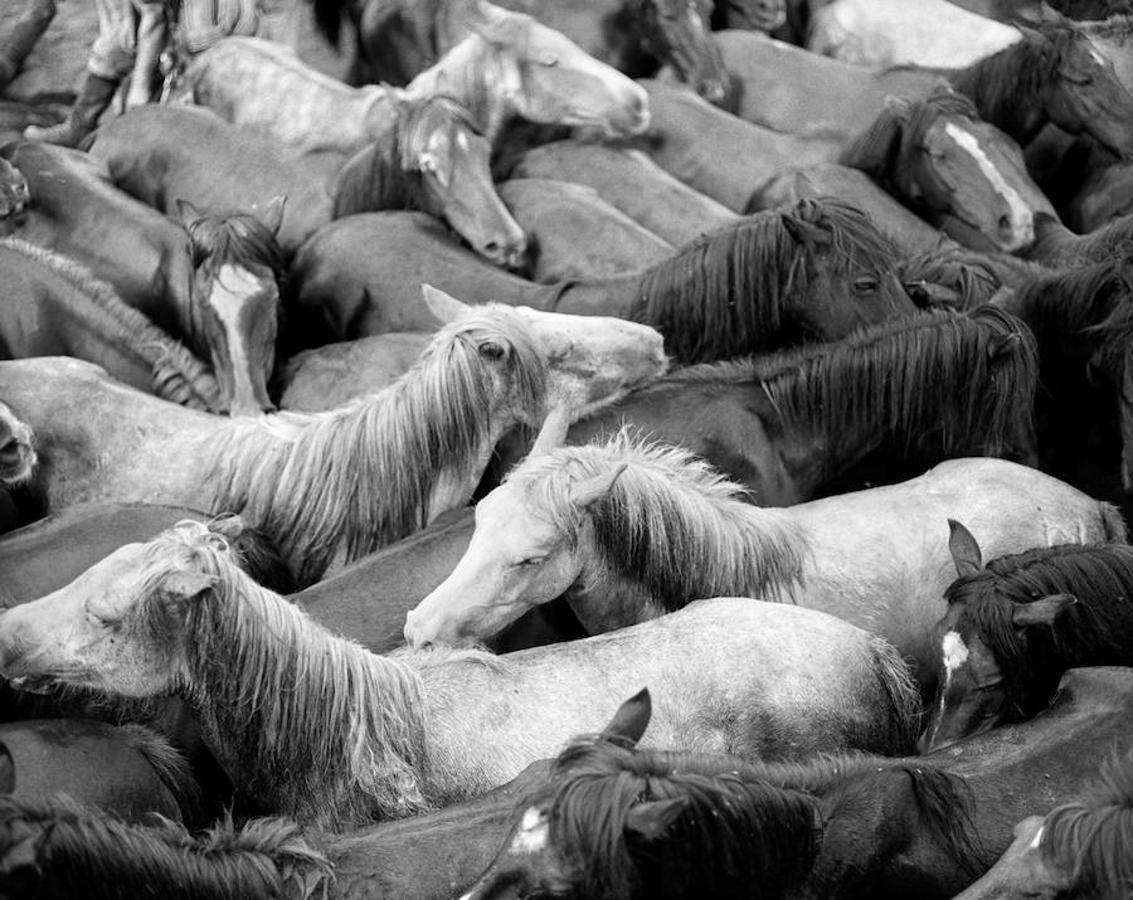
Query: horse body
(869, 557)
(632, 182)
(578, 234)
(398, 735)
(891, 32)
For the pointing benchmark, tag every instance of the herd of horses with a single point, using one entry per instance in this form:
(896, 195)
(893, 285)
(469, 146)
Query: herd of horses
(366, 443)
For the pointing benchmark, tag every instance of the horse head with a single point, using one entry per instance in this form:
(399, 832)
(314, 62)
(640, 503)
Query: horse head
(14, 194)
(17, 449)
(676, 33)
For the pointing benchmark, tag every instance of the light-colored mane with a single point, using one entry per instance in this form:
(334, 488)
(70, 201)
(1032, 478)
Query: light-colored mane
(670, 523)
(356, 478)
(311, 723)
(178, 376)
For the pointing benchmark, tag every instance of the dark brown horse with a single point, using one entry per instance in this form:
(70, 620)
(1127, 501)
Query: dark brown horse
(816, 270)
(170, 272)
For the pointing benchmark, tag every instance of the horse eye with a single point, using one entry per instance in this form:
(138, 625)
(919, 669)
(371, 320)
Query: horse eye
(550, 61)
(491, 350)
(866, 285)
(530, 561)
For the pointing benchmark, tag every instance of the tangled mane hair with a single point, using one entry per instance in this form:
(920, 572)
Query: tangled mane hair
(236, 238)
(58, 848)
(1057, 247)
(670, 523)
(1095, 631)
(387, 174)
(737, 289)
(939, 382)
(952, 278)
(308, 722)
(360, 476)
(178, 376)
(1090, 839)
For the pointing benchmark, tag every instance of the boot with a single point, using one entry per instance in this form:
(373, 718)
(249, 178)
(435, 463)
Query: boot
(18, 44)
(94, 96)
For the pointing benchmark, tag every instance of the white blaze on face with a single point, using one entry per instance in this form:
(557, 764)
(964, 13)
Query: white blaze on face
(532, 834)
(955, 653)
(1021, 216)
(230, 290)
(1037, 839)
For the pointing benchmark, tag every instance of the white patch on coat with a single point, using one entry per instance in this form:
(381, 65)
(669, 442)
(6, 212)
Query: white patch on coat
(955, 652)
(1034, 844)
(1021, 215)
(532, 834)
(230, 291)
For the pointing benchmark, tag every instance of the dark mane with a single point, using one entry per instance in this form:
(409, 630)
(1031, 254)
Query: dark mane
(724, 294)
(1091, 839)
(1094, 631)
(953, 278)
(1056, 246)
(731, 831)
(386, 174)
(57, 848)
(239, 238)
(939, 378)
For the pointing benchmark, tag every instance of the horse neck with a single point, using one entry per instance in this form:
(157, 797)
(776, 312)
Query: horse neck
(472, 74)
(612, 296)
(1019, 109)
(304, 723)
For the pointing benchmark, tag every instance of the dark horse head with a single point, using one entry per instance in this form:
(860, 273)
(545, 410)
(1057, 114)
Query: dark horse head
(1014, 627)
(673, 33)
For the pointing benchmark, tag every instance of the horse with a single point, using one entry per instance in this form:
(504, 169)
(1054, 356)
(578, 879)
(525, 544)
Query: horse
(511, 68)
(881, 405)
(60, 848)
(615, 821)
(577, 234)
(55, 307)
(210, 281)
(310, 725)
(1057, 247)
(396, 41)
(1077, 849)
(347, 481)
(628, 530)
(21, 499)
(632, 182)
(128, 770)
(1014, 626)
(14, 193)
(888, 32)
(932, 152)
(814, 271)
(428, 157)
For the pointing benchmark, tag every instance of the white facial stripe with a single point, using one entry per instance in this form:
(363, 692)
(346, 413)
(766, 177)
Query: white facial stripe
(1097, 57)
(1037, 839)
(1020, 212)
(230, 288)
(955, 652)
(531, 836)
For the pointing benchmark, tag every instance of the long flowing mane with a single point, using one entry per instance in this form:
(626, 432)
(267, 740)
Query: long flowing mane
(940, 382)
(1094, 631)
(356, 478)
(58, 848)
(727, 293)
(386, 174)
(1090, 839)
(321, 728)
(670, 522)
(178, 376)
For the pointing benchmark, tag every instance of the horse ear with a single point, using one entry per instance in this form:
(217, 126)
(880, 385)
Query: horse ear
(444, 306)
(187, 213)
(805, 232)
(651, 820)
(1044, 612)
(1004, 344)
(965, 551)
(554, 431)
(187, 585)
(586, 493)
(875, 151)
(632, 718)
(1048, 13)
(271, 213)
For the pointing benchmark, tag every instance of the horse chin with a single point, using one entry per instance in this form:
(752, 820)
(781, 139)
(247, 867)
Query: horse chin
(35, 684)
(21, 471)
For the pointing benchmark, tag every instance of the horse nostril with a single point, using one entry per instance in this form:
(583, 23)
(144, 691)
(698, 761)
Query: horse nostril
(1005, 224)
(10, 450)
(492, 247)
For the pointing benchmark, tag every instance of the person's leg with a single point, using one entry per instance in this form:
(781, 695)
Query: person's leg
(20, 41)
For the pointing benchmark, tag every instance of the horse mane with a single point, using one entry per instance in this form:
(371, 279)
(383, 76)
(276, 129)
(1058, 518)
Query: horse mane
(1056, 246)
(670, 523)
(1014, 78)
(969, 275)
(724, 294)
(387, 174)
(178, 376)
(238, 238)
(1090, 839)
(730, 830)
(58, 848)
(358, 477)
(938, 376)
(281, 688)
(170, 766)
(1093, 631)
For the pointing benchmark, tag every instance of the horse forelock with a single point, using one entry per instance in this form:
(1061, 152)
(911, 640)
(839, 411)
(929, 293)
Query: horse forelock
(734, 828)
(66, 849)
(670, 523)
(177, 373)
(281, 688)
(239, 239)
(1090, 839)
(1101, 577)
(963, 270)
(361, 476)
